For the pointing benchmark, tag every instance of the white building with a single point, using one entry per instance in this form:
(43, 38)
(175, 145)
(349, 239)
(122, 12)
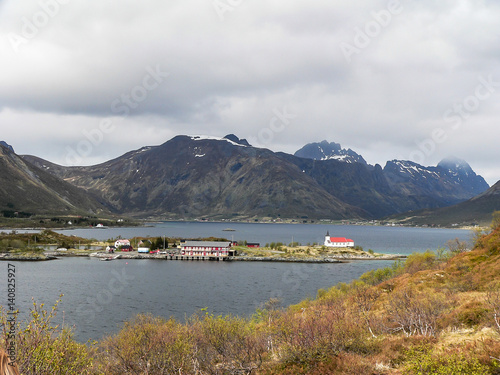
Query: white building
(120, 243)
(338, 241)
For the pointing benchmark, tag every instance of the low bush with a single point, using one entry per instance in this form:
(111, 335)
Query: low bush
(421, 361)
(419, 261)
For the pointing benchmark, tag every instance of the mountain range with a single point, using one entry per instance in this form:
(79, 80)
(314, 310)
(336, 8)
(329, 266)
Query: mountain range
(194, 176)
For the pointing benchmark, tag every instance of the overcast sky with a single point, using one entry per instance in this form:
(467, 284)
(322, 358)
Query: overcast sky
(85, 81)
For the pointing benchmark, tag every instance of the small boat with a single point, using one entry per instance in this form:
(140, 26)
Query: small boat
(229, 230)
(110, 258)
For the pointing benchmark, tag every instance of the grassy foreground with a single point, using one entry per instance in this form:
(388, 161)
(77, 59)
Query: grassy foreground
(431, 314)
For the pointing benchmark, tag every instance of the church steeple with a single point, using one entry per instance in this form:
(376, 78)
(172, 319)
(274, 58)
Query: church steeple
(328, 233)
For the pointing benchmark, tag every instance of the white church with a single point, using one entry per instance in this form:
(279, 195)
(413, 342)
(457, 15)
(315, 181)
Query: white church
(338, 241)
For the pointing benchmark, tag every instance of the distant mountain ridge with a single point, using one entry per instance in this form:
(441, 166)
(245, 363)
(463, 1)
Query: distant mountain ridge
(447, 184)
(200, 176)
(29, 189)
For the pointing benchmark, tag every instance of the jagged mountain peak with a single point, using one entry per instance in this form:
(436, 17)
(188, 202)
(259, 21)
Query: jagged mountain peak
(329, 151)
(231, 138)
(455, 164)
(235, 139)
(462, 173)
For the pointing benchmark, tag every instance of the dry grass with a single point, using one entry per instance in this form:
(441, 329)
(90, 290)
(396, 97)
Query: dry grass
(305, 252)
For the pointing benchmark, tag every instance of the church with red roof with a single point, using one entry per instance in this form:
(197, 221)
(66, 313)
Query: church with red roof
(338, 241)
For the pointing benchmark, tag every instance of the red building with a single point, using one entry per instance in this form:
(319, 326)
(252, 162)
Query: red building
(206, 248)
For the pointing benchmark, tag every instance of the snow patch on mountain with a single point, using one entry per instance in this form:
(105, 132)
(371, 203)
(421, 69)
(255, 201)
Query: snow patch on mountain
(329, 151)
(212, 138)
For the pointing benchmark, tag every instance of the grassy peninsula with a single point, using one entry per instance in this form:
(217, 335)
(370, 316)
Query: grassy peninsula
(32, 246)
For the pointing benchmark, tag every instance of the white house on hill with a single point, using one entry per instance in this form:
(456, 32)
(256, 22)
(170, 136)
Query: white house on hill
(338, 241)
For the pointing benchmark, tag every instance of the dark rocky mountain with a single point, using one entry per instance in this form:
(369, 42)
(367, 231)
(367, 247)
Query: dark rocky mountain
(355, 183)
(26, 188)
(206, 176)
(190, 177)
(328, 151)
(401, 186)
(5, 144)
(477, 210)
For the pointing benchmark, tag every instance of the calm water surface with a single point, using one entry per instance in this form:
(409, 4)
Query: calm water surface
(100, 296)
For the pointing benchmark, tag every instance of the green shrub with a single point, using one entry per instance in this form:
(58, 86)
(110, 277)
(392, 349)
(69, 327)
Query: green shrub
(17, 244)
(420, 261)
(420, 361)
(380, 275)
(473, 314)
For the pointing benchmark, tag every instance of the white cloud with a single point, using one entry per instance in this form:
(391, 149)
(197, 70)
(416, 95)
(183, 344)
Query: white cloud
(230, 76)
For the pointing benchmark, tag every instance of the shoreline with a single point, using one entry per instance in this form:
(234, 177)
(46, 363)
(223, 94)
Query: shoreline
(152, 223)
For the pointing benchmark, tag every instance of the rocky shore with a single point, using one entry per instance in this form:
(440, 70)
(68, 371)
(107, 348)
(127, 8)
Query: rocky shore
(331, 259)
(51, 255)
(26, 257)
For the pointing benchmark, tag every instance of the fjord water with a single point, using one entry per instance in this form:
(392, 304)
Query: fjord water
(391, 240)
(100, 296)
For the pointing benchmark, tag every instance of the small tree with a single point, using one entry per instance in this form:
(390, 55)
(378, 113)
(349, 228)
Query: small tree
(414, 313)
(456, 246)
(493, 299)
